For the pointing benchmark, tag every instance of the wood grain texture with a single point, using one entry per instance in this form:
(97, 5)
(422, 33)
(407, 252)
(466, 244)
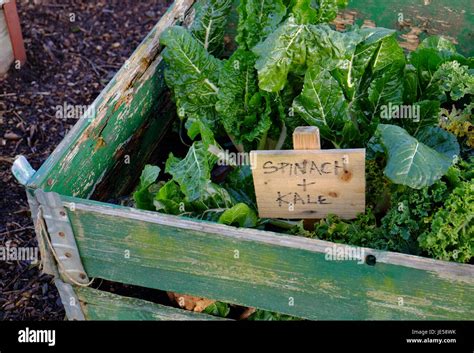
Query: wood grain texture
(123, 176)
(309, 183)
(306, 138)
(270, 271)
(100, 305)
(94, 145)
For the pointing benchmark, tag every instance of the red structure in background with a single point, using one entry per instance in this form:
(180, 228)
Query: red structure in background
(14, 30)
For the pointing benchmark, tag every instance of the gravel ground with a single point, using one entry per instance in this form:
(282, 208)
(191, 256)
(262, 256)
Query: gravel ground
(74, 48)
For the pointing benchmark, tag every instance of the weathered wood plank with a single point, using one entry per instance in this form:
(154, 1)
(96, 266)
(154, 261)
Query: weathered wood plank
(94, 145)
(286, 274)
(123, 176)
(100, 305)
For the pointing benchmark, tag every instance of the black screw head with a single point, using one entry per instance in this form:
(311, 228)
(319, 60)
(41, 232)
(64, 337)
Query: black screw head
(370, 260)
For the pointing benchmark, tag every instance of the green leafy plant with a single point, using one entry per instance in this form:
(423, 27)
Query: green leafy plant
(263, 315)
(218, 309)
(410, 216)
(291, 68)
(209, 23)
(192, 74)
(244, 110)
(460, 123)
(451, 236)
(143, 197)
(417, 162)
(240, 215)
(363, 231)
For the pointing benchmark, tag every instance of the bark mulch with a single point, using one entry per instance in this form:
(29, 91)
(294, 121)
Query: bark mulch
(73, 48)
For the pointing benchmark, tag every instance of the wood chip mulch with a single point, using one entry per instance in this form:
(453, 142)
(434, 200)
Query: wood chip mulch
(73, 48)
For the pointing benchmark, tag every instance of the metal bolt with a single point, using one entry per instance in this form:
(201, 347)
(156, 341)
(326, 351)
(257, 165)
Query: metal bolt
(370, 260)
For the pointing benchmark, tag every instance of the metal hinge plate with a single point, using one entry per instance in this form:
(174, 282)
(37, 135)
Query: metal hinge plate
(62, 237)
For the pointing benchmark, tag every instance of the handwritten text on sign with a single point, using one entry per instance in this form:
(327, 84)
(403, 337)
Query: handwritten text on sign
(309, 183)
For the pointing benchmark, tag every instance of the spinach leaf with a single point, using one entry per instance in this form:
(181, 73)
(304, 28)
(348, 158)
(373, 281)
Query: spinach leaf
(257, 20)
(263, 315)
(240, 215)
(192, 74)
(192, 173)
(316, 11)
(169, 199)
(214, 200)
(387, 70)
(283, 51)
(209, 24)
(322, 104)
(427, 114)
(350, 77)
(243, 109)
(440, 140)
(142, 196)
(410, 85)
(239, 184)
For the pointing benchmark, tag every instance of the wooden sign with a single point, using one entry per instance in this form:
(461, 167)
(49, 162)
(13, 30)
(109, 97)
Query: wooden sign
(308, 182)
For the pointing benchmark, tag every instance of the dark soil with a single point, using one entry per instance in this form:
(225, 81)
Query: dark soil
(69, 62)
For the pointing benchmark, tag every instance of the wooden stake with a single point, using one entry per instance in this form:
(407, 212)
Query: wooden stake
(14, 29)
(306, 138)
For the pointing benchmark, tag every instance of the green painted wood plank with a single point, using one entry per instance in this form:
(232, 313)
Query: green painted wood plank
(123, 176)
(94, 145)
(285, 274)
(100, 305)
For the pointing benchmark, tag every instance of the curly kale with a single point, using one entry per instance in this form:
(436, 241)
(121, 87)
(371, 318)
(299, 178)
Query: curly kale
(451, 236)
(410, 216)
(362, 231)
(435, 219)
(377, 187)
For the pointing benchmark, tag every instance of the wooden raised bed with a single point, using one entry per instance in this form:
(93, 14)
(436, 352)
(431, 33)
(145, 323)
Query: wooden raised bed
(82, 239)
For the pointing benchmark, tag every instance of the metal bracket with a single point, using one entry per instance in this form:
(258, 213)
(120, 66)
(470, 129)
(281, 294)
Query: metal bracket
(71, 303)
(61, 236)
(22, 170)
(47, 264)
